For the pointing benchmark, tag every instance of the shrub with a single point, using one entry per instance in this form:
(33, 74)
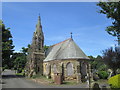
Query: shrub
(3, 68)
(95, 77)
(103, 74)
(19, 70)
(114, 81)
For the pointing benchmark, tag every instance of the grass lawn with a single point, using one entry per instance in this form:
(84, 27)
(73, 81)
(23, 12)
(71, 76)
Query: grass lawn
(43, 79)
(102, 81)
(20, 74)
(70, 83)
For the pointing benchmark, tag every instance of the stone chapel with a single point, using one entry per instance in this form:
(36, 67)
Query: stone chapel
(65, 58)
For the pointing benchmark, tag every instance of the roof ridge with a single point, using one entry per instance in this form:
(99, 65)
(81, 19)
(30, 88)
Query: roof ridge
(60, 42)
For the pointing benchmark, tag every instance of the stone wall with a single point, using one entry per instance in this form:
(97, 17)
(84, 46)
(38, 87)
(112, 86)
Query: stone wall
(70, 69)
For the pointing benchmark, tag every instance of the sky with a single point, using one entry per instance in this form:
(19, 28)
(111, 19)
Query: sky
(58, 20)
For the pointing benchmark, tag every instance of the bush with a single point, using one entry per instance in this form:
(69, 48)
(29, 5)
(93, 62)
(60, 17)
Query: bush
(19, 70)
(95, 77)
(3, 68)
(114, 81)
(103, 74)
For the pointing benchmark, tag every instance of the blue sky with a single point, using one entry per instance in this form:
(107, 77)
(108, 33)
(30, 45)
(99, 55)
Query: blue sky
(58, 20)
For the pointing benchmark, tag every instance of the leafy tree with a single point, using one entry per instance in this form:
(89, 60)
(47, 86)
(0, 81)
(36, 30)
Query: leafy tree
(112, 58)
(99, 58)
(91, 57)
(97, 63)
(7, 47)
(93, 63)
(19, 60)
(112, 11)
(46, 47)
(25, 49)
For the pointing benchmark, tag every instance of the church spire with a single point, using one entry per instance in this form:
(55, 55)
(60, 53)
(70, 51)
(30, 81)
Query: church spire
(39, 20)
(39, 26)
(71, 35)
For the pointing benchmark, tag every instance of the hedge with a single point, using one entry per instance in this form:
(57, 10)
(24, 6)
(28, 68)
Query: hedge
(114, 81)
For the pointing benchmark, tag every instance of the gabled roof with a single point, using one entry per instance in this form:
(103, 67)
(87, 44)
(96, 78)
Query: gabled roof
(65, 50)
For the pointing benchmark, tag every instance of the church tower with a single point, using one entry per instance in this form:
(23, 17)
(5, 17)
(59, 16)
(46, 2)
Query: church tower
(38, 37)
(36, 52)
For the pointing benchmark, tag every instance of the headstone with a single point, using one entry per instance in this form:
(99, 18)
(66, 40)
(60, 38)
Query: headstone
(58, 78)
(104, 87)
(95, 86)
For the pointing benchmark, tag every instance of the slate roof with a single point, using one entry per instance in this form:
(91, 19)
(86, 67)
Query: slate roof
(65, 50)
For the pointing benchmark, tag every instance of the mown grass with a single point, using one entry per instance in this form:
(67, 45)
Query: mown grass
(41, 77)
(51, 82)
(20, 74)
(102, 81)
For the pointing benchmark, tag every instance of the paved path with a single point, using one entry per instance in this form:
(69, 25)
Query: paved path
(10, 80)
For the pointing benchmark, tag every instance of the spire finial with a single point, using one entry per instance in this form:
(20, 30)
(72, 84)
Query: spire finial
(39, 20)
(39, 17)
(71, 34)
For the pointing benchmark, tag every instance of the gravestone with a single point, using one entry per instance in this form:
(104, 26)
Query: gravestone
(95, 86)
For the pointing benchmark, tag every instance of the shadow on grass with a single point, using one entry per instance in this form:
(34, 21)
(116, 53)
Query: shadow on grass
(69, 83)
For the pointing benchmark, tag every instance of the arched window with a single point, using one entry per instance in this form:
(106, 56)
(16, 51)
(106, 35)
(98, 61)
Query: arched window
(83, 69)
(70, 70)
(47, 67)
(54, 68)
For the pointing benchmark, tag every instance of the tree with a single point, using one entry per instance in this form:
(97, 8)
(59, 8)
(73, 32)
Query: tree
(46, 47)
(7, 46)
(25, 49)
(18, 60)
(112, 10)
(0, 44)
(112, 58)
(97, 63)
